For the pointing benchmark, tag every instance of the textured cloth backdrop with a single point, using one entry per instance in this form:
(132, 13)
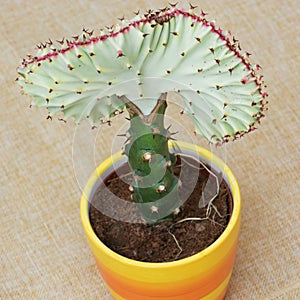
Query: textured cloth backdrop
(44, 254)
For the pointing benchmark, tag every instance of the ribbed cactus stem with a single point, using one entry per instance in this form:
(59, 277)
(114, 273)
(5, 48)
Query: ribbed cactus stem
(154, 187)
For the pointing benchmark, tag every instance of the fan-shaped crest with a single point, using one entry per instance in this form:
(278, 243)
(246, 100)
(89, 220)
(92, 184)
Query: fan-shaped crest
(162, 51)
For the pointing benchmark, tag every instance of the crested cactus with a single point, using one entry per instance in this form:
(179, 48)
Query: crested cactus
(132, 66)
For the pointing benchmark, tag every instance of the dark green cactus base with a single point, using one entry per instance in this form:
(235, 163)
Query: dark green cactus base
(154, 187)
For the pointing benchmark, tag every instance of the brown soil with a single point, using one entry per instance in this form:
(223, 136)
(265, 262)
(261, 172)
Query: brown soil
(168, 240)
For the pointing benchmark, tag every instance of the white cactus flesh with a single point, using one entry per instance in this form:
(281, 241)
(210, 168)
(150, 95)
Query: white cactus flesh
(162, 51)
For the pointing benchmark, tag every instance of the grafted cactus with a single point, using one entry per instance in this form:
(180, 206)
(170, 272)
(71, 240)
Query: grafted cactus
(133, 66)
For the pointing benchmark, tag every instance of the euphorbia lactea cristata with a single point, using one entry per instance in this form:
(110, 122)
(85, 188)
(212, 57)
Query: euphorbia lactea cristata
(132, 66)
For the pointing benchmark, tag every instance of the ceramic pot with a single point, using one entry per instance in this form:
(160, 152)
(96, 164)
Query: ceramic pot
(204, 275)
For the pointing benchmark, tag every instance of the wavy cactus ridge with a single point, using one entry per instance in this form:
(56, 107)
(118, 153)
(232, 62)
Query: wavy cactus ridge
(86, 77)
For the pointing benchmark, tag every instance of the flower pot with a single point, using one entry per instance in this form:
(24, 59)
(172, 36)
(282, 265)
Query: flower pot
(204, 275)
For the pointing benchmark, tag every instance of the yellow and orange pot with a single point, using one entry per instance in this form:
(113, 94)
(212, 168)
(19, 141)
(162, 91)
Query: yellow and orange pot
(204, 275)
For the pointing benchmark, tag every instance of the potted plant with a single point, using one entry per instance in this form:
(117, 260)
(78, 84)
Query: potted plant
(131, 67)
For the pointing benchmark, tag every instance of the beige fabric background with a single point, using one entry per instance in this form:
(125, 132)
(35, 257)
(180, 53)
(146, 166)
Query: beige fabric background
(44, 254)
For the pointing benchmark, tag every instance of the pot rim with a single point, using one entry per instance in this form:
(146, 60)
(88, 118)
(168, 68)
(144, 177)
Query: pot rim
(209, 156)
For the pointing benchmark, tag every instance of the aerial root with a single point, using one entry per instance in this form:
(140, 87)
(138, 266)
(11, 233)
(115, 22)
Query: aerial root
(177, 243)
(210, 202)
(120, 177)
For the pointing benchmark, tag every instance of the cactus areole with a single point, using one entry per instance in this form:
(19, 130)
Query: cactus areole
(132, 66)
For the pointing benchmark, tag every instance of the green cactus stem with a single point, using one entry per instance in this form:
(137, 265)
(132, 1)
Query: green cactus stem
(154, 187)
